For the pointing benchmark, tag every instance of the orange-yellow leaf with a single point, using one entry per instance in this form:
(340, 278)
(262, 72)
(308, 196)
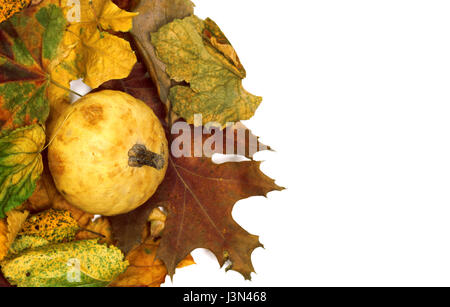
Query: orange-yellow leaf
(100, 226)
(9, 228)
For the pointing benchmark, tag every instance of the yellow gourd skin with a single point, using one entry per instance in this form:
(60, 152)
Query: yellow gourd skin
(94, 144)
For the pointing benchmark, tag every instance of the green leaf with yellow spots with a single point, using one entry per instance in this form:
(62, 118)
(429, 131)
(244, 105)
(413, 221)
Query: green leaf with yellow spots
(55, 226)
(28, 44)
(198, 54)
(20, 165)
(75, 264)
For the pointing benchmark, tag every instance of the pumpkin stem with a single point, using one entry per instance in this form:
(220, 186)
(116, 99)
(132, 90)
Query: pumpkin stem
(139, 156)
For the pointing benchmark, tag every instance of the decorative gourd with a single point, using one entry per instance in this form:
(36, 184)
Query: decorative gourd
(108, 153)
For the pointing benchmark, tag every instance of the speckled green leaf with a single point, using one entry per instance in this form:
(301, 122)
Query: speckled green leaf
(28, 43)
(196, 52)
(23, 242)
(20, 165)
(75, 264)
(55, 226)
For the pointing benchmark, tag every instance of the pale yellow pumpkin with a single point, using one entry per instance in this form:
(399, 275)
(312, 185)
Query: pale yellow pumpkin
(109, 153)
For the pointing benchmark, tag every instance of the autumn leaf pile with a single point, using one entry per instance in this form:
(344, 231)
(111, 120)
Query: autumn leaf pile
(161, 53)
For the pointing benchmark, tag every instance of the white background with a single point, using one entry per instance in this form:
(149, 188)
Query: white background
(357, 105)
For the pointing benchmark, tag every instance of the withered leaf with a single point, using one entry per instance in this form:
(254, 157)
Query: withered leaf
(198, 55)
(153, 14)
(9, 228)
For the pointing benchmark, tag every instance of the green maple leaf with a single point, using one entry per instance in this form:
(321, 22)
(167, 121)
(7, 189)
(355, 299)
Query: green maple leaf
(197, 52)
(20, 165)
(75, 264)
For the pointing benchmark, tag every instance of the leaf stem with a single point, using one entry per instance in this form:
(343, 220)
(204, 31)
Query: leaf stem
(95, 233)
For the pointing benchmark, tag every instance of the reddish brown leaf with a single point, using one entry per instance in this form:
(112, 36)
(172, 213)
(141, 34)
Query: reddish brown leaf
(199, 197)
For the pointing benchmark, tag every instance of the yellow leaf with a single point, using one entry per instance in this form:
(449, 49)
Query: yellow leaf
(9, 228)
(145, 270)
(3, 239)
(104, 57)
(106, 14)
(97, 55)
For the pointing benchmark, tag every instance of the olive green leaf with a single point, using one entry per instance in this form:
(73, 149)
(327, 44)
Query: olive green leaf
(28, 43)
(20, 165)
(197, 52)
(75, 264)
(55, 226)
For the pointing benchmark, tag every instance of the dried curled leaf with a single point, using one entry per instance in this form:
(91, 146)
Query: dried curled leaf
(153, 14)
(20, 165)
(9, 228)
(75, 264)
(157, 221)
(198, 53)
(145, 269)
(55, 226)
